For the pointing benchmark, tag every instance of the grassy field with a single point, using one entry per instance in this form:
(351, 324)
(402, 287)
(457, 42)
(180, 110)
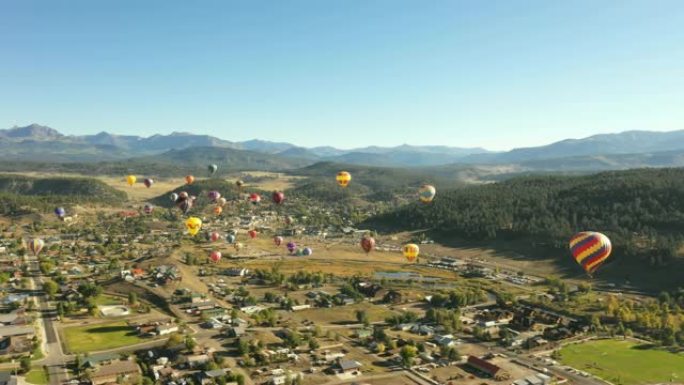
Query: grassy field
(108, 300)
(82, 339)
(624, 362)
(37, 376)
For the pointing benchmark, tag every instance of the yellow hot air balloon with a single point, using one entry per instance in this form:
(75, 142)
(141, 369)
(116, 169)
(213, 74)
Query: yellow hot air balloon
(411, 251)
(343, 178)
(193, 224)
(426, 193)
(131, 180)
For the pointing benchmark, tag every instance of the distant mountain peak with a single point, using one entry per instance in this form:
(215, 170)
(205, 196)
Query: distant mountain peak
(32, 131)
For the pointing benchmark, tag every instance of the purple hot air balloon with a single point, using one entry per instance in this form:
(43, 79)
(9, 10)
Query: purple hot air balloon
(291, 247)
(60, 212)
(214, 195)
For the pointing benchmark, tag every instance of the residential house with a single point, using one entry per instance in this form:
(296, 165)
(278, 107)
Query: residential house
(487, 368)
(115, 371)
(163, 330)
(348, 366)
(6, 378)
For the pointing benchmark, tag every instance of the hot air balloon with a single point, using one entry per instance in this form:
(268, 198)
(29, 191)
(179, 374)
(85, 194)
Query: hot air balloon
(343, 178)
(237, 246)
(590, 249)
(60, 212)
(307, 251)
(222, 201)
(252, 233)
(193, 224)
(230, 238)
(239, 183)
(218, 210)
(278, 240)
(131, 180)
(214, 236)
(411, 251)
(426, 193)
(289, 220)
(189, 179)
(367, 244)
(214, 195)
(36, 245)
(291, 247)
(148, 182)
(212, 169)
(215, 256)
(185, 205)
(278, 197)
(183, 195)
(148, 208)
(174, 197)
(254, 198)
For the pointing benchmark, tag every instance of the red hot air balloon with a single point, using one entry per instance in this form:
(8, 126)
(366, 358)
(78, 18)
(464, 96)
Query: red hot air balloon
(215, 256)
(252, 233)
(278, 240)
(590, 250)
(278, 197)
(254, 198)
(214, 236)
(368, 244)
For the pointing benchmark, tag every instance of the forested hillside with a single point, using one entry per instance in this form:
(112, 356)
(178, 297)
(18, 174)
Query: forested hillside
(642, 211)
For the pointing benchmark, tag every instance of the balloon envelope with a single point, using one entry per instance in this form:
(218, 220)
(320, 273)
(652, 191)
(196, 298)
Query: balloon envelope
(237, 246)
(218, 210)
(343, 178)
(184, 205)
(230, 238)
(60, 212)
(278, 197)
(131, 180)
(590, 250)
(174, 197)
(222, 201)
(368, 244)
(254, 198)
(148, 182)
(252, 233)
(411, 251)
(307, 251)
(291, 247)
(193, 224)
(214, 195)
(189, 179)
(214, 236)
(215, 256)
(148, 208)
(36, 245)
(426, 193)
(278, 240)
(212, 169)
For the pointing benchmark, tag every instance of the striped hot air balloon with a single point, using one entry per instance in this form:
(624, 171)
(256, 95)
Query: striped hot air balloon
(411, 251)
(343, 178)
(590, 249)
(36, 245)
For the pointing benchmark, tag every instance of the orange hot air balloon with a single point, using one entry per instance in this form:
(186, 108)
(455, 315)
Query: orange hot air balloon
(189, 179)
(590, 250)
(367, 244)
(411, 251)
(252, 233)
(343, 178)
(218, 210)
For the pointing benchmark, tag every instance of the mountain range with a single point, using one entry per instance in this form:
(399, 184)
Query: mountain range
(631, 149)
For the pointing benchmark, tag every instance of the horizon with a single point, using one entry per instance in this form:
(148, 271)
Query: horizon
(499, 76)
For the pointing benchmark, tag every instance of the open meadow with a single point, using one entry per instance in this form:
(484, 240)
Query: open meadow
(97, 337)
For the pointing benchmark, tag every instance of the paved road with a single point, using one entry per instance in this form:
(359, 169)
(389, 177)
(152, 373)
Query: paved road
(54, 360)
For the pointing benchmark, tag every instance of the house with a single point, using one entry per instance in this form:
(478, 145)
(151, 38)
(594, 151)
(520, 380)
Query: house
(163, 330)
(237, 331)
(364, 333)
(15, 318)
(237, 272)
(447, 341)
(6, 378)
(114, 371)
(14, 331)
(15, 345)
(300, 307)
(487, 368)
(197, 360)
(349, 366)
(214, 374)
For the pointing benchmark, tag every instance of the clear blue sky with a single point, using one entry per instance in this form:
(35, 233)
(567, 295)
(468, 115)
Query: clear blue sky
(497, 74)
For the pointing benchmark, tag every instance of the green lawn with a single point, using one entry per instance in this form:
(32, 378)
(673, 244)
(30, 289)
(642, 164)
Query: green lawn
(624, 362)
(37, 376)
(108, 300)
(82, 339)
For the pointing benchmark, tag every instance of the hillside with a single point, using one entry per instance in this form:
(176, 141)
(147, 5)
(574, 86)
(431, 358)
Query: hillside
(642, 211)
